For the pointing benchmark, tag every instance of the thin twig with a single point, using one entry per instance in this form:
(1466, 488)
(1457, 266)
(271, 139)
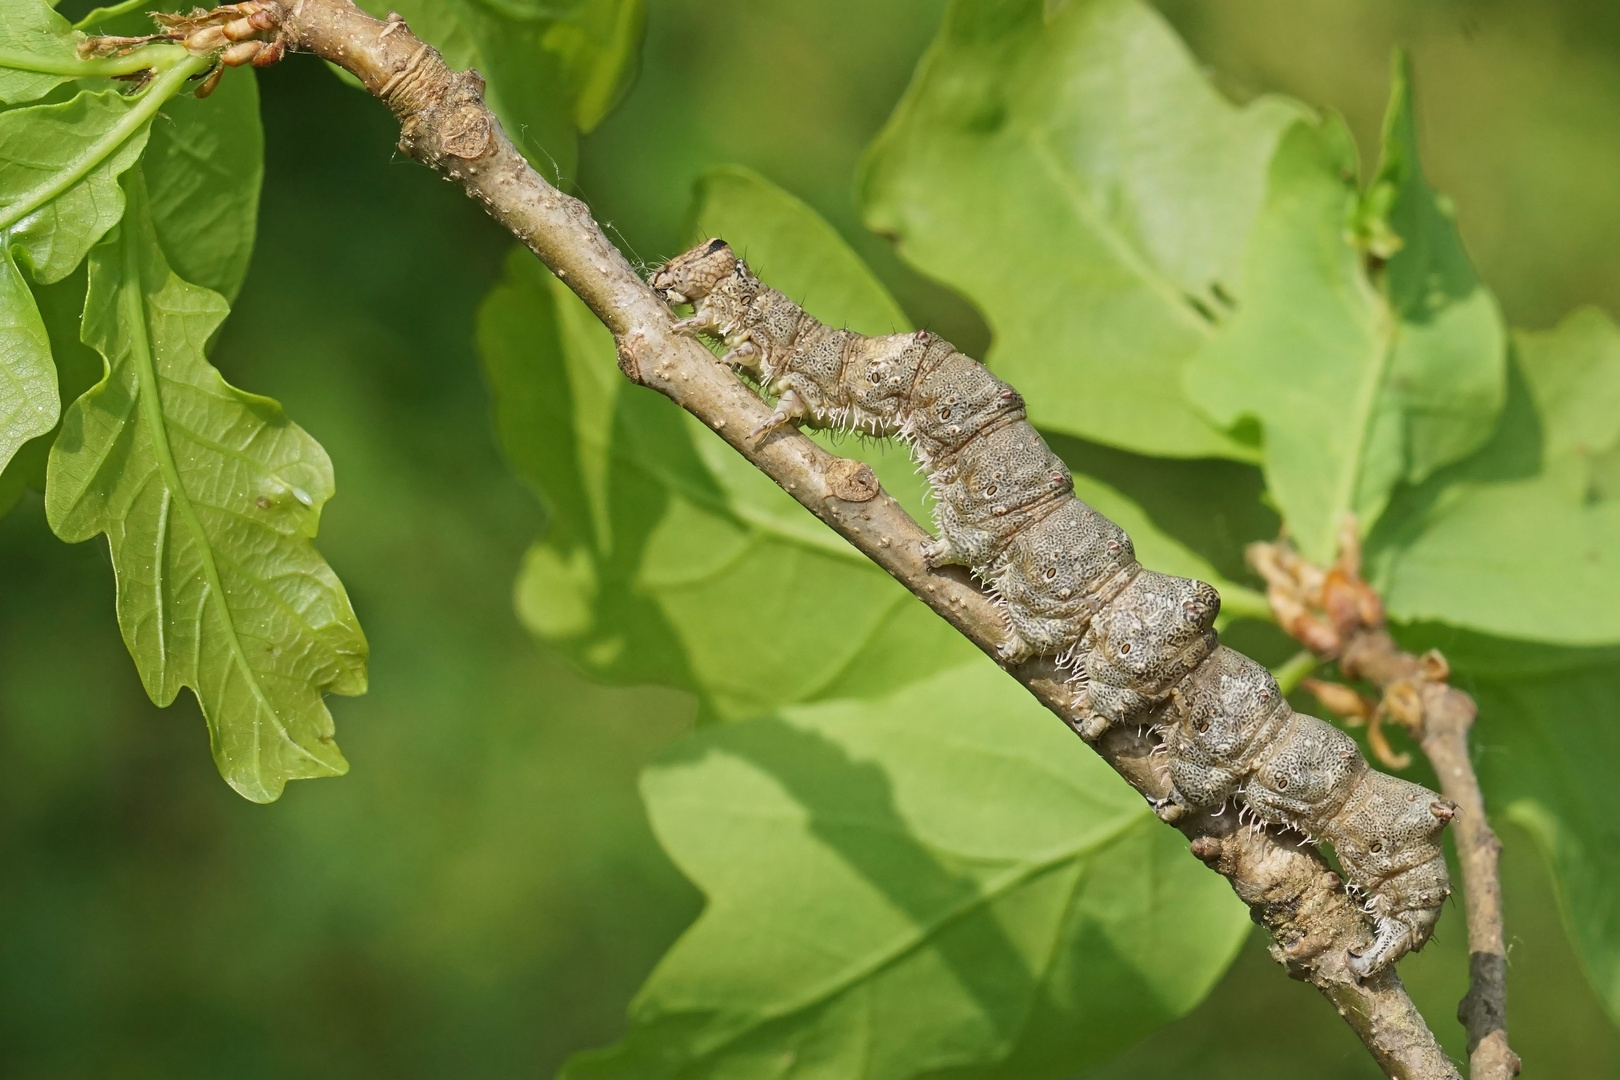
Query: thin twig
(445, 124)
(1340, 615)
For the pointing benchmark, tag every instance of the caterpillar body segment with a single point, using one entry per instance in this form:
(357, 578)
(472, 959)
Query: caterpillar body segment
(1229, 732)
(1141, 644)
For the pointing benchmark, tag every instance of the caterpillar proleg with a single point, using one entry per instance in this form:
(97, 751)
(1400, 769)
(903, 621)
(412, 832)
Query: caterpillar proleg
(1141, 644)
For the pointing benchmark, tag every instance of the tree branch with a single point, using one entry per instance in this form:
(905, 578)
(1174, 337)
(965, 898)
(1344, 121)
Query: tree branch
(445, 124)
(1339, 615)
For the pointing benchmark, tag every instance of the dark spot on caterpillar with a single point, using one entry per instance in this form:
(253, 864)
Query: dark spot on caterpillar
(1377, 846)
(1282, 782)
(1051, 572)
(1202, 726)
(714, 246)
(1125, 649)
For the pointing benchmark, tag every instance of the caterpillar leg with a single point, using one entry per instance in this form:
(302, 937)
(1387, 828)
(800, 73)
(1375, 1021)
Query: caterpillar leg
(938, 553)
(745, 354)
(1015, 650)
(790, 407)
(1094, 727)
(698, 323)
(1394, 940)
(1168, 810)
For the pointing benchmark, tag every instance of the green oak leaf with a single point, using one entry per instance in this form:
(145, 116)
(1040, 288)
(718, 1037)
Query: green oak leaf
(1070, 170)
(1448, 359)
(554, 68)
(77, 368)
(1357, 383)
(28, 401)
(59, 188)
(938, 881)
(37, 50)
(58, 195)
(204, 166)
(209, 497)
(1523, 539)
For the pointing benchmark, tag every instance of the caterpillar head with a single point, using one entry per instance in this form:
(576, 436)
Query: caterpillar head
(693, 275)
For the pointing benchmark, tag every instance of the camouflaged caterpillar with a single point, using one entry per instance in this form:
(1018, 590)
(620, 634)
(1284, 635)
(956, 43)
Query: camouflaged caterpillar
(1141, 644)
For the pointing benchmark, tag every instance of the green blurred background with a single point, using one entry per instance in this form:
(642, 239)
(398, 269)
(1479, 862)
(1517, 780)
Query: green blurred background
(481, 895)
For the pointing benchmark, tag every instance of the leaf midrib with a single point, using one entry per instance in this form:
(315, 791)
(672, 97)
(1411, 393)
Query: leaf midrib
(1116, 242)
(133, 300)
(162, 89)
(925, 932)
(1383, 333)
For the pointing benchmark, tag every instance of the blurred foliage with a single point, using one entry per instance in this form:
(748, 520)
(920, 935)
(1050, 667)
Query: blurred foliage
(481, 894)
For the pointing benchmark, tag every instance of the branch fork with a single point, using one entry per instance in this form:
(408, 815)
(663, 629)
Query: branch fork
(1339, 616)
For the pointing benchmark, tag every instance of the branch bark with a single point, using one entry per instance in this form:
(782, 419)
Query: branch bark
(1445, 716)
(1338, 615)
(444, 124)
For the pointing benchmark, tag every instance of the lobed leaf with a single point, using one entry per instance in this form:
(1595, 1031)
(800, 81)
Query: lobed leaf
(937, 880)
(37, 50)
(28, 401)
(1357, 384)
(1069, 169)
(59, 188)
(209, 497)
(58, 195)
(555, 68)
(1523, 539)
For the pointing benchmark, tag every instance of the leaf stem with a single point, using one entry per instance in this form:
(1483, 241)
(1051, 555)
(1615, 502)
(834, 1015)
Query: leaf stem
(1240, 603)
(1292, 671)
(157, 57)
(154, 97)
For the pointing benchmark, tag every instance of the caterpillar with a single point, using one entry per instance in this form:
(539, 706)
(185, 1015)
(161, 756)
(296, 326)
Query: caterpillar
(1140, 645)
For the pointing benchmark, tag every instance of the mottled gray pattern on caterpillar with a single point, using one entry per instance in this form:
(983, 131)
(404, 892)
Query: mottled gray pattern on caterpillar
(1141, 644)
